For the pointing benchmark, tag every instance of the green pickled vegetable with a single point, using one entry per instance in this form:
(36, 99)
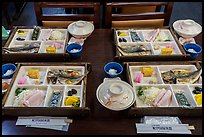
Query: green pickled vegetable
(76, 104)
(19, 90)
(36, 33)
(182, 100)
(140, 91)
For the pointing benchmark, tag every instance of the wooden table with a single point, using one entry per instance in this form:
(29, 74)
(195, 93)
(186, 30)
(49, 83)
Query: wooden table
(98, 50)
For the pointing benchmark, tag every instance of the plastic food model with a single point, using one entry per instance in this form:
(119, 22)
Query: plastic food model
(34, 73)
(35, 33)
(51, 49)
(73, 101)
(154, 96)
(56, 35)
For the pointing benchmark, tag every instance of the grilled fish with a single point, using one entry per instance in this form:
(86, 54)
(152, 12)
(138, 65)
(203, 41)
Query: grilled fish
(27, 48)
(134, 50)
(181, 76)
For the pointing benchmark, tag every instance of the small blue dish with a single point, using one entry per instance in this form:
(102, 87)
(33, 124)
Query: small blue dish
(74, 54)
(113, 69)
(190, 47)
(7, 67)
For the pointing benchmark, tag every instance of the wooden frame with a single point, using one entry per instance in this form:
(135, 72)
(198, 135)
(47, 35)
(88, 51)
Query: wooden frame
(32, 57)
(67, 17)
(138, 16)
(172, 111)
(48, 111)
(120, 58)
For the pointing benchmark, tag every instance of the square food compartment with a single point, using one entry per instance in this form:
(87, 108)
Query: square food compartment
(145, 75)
(23, 47)
(34, 34)
(23, 32)
(45, 34)
(135, 49)
(54, 96)
(52, 47)
(196, 91)
(57, 34)
(155, 96)
(31, 75)
(157, 35)
(136, 36)
(168, 73)
(123, 39)
(183, 96)
(64, 75)
(26, 96)
(165, 48)
(122, 33)
(71, 93)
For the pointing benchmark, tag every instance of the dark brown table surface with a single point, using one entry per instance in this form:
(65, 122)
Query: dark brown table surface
(98, 50)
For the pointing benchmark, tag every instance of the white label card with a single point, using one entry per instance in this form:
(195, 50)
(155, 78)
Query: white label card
(53, 127)
(163, 128)
(41, 121)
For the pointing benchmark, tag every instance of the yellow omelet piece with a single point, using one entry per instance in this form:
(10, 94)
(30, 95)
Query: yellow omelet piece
(70, 100)
(147, 71)
(34, 73)
(166, 51)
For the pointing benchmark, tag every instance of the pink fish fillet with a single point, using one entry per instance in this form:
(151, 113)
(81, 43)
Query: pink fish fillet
(159, 97)
(35, 99)
(166, 99)
(152, 35)
(138, 77)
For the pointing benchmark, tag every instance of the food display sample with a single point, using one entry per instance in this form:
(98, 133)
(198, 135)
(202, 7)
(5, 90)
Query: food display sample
(5, 84)
(166, 85)
(146, 43)
(37, 40)
(48, 85)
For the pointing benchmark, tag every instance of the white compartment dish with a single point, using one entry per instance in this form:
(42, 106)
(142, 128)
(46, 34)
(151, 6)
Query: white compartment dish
(76, 72)
(135, 49)
(150, 37)
(158, 47)
(50, 96)
(182, 89)
(177, 70)
(70, 91)
(55, 46)
(30, 96)
(54, 96)
(196, 94)
(150, 93)
(153, 78)
(45, 36)
(31, 75)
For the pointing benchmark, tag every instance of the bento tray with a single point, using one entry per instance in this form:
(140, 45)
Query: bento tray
(153, 48)
(44, 40)
(11, 106)
(141, 108)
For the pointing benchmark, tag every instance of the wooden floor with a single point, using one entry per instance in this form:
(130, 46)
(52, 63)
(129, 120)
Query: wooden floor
(181, 10)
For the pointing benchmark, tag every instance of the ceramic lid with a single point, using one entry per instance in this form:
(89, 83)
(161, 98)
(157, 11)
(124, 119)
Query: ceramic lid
(114, 100)
(187, 26)
(81, 27)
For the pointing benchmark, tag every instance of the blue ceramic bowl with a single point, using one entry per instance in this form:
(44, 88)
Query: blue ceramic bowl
(113, 69)
(7, 67)
(74, 46)
(191, 46)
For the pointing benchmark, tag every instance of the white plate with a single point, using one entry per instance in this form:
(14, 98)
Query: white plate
(119, 102)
